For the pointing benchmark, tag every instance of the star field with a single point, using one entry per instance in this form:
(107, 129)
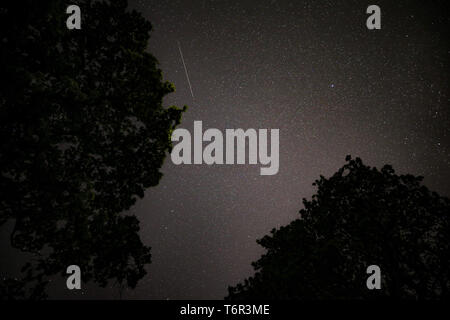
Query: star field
(311, 69)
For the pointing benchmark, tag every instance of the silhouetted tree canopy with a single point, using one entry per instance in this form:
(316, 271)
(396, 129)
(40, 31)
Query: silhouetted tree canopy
(359, 217)
(83, 133)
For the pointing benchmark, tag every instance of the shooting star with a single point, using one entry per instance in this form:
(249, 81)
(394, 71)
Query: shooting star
(185, 70)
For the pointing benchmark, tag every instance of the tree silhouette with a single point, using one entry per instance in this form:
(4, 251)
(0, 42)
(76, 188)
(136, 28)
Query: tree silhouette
(359, 217)
(82, 133)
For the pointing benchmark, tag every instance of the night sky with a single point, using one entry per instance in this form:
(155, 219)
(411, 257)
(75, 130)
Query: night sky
(311, 69)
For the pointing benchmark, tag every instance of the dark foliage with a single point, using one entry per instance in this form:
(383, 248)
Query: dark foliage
(359, 217)
(82, 133)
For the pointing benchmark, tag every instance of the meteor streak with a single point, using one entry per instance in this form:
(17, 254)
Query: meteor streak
(185, 69)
